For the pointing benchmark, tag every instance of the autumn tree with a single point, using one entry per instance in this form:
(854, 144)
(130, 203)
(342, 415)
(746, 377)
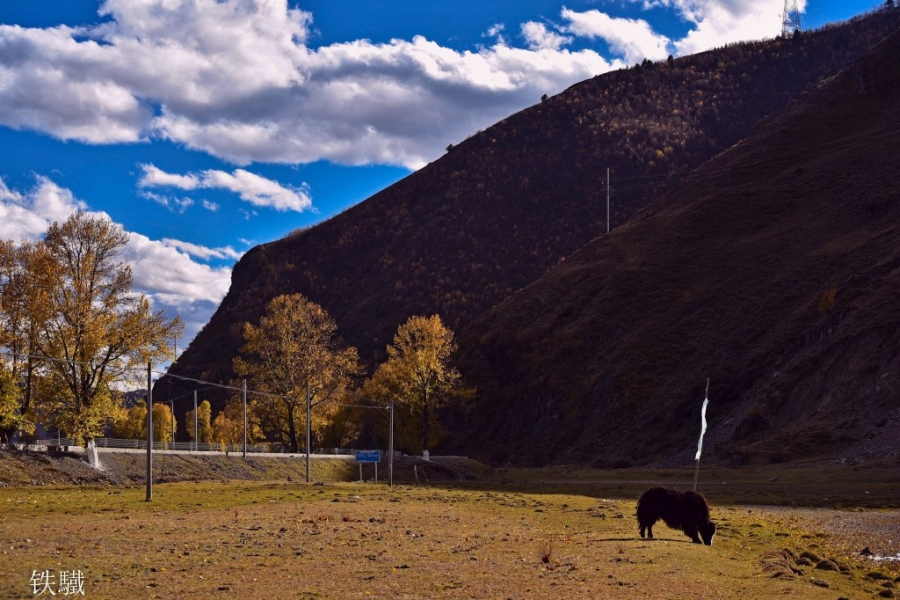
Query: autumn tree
(204, 423)
(338, 425)
(228, 426)
(27, 273)
(11, 416)
(130, 423)
(163, 423)
(86, 323)
(417, 373)
(227, 432)
(292, 355)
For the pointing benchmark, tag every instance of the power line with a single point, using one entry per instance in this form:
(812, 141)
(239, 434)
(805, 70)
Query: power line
(222, 386)
(143, 369)
(360, 405)
(162, 374)
(70, 361)
(250, 391)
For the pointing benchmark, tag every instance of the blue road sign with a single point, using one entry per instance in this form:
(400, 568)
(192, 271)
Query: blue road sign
(368, 456)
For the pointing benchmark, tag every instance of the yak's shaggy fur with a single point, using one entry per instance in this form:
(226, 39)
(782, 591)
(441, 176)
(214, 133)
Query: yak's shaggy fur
(687, 511)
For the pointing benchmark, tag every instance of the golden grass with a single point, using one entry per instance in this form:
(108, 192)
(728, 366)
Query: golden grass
(477, 540)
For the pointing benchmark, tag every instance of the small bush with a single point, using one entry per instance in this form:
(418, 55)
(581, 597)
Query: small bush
(827, 302)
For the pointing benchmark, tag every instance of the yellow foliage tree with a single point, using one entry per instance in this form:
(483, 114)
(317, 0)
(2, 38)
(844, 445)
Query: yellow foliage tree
(74, 304)
(227, 432)
(292, 355)
(163, 423)
(417, 373)
(27, 273)
(12, 418)
(228, 426)
(131, 423)
(204, 422)
(337, 425)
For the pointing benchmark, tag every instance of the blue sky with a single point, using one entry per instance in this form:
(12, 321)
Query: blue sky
(206, 127)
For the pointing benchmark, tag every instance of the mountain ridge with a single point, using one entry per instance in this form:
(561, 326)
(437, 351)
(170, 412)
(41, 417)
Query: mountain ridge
(507, 205)
(685, 292)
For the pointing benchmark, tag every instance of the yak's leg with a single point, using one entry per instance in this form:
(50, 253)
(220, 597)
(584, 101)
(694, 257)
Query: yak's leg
(691, 532)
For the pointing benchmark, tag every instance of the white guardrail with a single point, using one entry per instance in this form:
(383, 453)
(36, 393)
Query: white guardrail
(120, 444)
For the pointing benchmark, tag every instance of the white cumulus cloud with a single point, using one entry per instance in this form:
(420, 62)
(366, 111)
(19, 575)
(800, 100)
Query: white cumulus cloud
(154, 176)
(251, 188)
(26, 216)
(176, 205)
(719, 22)
(237, 79)
(163, 270)
(258, 190)
(495, 31)
(539, 37)
(633, 39)
(175, 282)
(203, 252)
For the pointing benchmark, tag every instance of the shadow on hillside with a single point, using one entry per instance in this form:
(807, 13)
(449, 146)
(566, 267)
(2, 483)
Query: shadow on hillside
(822, 485)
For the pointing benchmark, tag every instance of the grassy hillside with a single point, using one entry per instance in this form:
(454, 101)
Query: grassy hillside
(504, 206)
(773, 270)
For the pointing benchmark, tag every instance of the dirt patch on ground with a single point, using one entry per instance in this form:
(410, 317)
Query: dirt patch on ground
(863, 535)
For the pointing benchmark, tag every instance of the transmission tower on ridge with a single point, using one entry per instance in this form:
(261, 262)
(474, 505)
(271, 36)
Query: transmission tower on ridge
(790, 23)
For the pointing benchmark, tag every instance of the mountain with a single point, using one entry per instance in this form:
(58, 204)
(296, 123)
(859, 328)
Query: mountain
(503, 207)
(773, 270)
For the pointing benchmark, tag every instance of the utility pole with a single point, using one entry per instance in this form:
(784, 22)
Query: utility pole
(308, 431)
(790, 21)
(245, 419)
(196, 439)
(391, 448)
(607, 199)
(149, 433)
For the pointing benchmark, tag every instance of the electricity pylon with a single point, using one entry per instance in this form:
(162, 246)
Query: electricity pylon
(790, 23)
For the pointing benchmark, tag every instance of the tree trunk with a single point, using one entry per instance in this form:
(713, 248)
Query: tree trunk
(292, 432)
(90, 448)
(425, 421)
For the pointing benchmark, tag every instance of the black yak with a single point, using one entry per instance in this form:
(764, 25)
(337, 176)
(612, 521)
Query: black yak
(687, 511)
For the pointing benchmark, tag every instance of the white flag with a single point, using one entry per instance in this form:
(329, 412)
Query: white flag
(702, 426)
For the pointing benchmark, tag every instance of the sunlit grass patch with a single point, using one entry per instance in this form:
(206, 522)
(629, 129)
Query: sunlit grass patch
(341, 540)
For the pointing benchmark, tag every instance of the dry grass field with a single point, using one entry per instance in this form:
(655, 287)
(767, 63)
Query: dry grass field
(554, 533)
